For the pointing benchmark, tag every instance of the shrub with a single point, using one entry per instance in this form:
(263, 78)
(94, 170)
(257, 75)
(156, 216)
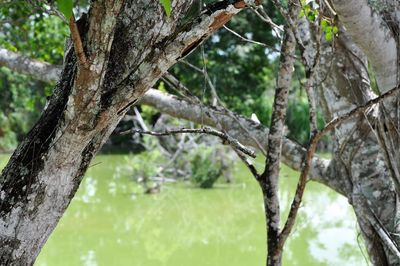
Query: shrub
(206, 167)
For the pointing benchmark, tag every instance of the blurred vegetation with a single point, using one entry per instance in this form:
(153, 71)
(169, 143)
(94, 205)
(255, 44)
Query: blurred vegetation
(29, 30)
(201, 164)
(205, 169)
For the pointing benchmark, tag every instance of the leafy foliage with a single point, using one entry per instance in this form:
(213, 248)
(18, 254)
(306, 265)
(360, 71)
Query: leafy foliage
(243, 73)
(329, 29)
(205, 171)
(307, 11)
(310, 10)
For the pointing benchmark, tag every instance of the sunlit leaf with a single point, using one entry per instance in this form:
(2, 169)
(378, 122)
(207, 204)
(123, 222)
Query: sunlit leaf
(329, 35)
(324, 24)
(65, 7)
(167, 6)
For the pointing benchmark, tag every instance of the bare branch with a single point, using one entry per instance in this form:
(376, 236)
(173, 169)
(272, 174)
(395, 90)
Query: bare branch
(205, 130)
(251, 41)
(250, 134)
(174, 83)
(264, 17)
(269, 180)
(248, 164)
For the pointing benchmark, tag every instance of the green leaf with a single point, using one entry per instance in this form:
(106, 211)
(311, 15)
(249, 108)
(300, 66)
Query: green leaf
(328, 35)
(324, 24)
(311, 16)
(65, 6)
(167, 6)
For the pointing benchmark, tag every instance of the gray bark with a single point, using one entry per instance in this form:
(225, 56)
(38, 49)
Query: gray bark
(269, 180)
(362, 165)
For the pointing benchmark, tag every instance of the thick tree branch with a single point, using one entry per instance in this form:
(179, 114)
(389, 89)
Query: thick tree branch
(131, 44)
(368, 30)
(25, 65)
(180, 108)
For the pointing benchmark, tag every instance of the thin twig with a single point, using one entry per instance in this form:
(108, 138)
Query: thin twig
(47, 8)
(230, 113)
(251, 41)
(264, 17)
(76, 39)
(249, 164)
(139, 118)
(205, 130)
(333, 12)
(290, 21)
(192, 66)
(173, 82)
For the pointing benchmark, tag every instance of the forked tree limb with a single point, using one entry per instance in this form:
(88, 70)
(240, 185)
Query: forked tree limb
(269, 180)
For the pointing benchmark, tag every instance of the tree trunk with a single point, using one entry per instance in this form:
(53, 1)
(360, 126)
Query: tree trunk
(359, 162)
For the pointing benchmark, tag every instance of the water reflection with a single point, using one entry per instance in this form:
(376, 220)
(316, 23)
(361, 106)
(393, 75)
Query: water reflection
(110, 222)
(89, 259)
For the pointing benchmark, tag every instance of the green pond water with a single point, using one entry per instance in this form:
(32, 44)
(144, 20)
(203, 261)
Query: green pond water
(110, 222)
